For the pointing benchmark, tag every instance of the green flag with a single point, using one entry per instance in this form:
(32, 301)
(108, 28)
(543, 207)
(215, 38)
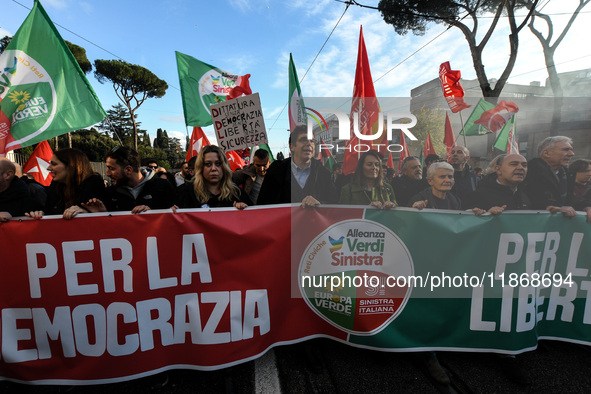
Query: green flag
(297, 112)
(471, 128)
(201, 85)
(43, 91)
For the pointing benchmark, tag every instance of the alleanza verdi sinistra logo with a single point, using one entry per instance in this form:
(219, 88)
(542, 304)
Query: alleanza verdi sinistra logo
(343, 276)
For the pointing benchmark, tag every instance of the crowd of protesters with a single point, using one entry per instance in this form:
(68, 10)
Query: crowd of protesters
(547, 182)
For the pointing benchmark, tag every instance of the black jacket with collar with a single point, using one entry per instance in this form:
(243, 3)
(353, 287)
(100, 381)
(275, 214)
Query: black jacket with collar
(281, 187)
(491, 193)
(544, 187)
(157, 193)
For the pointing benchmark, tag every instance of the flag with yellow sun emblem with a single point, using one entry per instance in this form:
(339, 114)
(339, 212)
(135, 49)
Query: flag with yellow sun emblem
(43, 91)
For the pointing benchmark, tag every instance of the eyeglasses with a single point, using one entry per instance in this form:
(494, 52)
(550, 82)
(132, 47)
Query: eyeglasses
(153, 167)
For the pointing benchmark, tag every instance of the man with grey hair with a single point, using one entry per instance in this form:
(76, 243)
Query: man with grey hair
(466, 181)
(410, 182)
(546, 181)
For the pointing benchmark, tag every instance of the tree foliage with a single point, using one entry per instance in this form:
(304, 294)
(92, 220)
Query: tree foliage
(133, 84)
(4, 41)
(429, 120)
(80, 55)
(118, 124)
(415, 16)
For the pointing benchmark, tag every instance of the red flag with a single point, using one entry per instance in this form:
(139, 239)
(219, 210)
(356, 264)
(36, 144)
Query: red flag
(242, 87)
(494, 119)
(236, 162)
(452, 90)
(365, 103)
(428, 148)
(390, 163)
(198, 141)
(403, 153)
(38, 162)
(449, 139)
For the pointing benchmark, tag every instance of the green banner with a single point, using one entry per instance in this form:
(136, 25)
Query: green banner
(43, 91)
(448, 281)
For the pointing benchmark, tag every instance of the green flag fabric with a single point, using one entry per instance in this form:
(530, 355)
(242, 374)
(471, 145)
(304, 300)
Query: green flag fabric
(201, 85)
(297, 112)
(471, 128)
(43, 91)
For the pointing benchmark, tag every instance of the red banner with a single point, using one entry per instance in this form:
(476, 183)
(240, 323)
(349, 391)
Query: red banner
(109, 298)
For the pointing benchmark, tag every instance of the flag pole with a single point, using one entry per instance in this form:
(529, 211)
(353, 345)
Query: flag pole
(113, 130)
(463, 131)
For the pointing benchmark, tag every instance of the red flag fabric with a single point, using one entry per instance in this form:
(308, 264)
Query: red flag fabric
(494, 119)
(449, 139)
(428, 148)
(452, 89)
(198, 141)
(242, 87)
(365, 103)
(236, 162)
(38, 162)
(403, 153)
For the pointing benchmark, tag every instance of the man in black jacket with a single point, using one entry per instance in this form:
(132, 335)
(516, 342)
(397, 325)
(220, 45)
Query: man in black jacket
(15, 198)
(466, 181)
(411, 181)
(299, 178)
(547, 182)
(503, 189)
(133, 190)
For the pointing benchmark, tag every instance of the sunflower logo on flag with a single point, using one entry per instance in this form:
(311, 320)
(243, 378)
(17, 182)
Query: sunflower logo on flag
(19, 98)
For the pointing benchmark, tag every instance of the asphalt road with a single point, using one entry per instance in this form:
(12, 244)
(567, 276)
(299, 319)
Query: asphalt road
(326, 366)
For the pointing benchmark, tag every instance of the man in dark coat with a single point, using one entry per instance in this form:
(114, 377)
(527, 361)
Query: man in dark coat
(250, 179)
(411, 181)
(503, 189)
(465, 180)
(299, 178)
(547, 182)
(15, 198)
(133, 190)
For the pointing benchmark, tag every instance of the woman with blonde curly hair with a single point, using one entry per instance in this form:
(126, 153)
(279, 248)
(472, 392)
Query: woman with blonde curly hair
(74, 182)
(212, 186)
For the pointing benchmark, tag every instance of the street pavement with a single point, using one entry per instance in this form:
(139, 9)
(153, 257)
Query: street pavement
(327, 366)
